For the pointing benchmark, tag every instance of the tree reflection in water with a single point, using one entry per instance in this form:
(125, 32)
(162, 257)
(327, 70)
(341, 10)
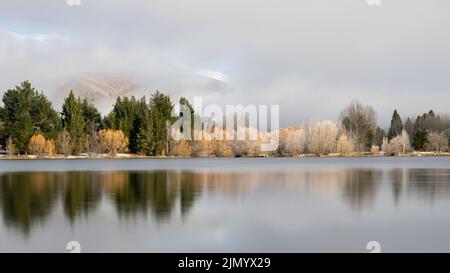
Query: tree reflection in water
(28, 198)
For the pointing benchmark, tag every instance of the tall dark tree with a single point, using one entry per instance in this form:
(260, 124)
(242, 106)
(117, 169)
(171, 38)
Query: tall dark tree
(92, 117)
(409, 127)
(74, 121)
(420, 139)
(26, 112)
(396, 125)
(153, 135)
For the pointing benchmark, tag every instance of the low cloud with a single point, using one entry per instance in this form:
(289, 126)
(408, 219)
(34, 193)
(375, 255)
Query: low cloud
(310, 57)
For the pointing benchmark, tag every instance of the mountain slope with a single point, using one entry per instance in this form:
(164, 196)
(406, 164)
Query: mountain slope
(101, 90)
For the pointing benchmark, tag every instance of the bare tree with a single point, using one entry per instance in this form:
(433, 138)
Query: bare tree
(10, 147)
(181, 147)
(64, 143)
(359, 121)
(375, 149)
(399, 145)
(93, 143)
(343, 145)
(438, 142)
(323, 137)
(291, 141)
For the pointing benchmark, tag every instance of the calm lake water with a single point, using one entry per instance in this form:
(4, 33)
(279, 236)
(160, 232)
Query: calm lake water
(226, 205)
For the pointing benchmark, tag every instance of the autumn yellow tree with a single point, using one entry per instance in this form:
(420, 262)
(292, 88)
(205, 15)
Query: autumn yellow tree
(37, 145)
(113, 141)
(181, 148)
(49, 147)
(222, 149)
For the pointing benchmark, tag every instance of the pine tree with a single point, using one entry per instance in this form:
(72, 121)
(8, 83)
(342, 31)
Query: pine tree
(92, 117)
(74, 121)
(396, 126)
(409, 127)
(153, 135)
(420, 139)
(27, 112)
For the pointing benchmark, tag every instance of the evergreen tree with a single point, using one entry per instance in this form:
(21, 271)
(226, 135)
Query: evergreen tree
(185, 102)
(379, 136)
(92, 117)
(409, 127)
(145, 138)
(27, 112)
(396, 126)
(153, 135)
(420, 139)
(74, 121)
(140, 119)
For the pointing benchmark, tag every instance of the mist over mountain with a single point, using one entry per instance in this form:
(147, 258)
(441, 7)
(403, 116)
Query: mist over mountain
(101, 90)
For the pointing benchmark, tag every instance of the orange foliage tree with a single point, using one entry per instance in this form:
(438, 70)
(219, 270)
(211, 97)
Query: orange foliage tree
(49, 147)
(37, 145)
(113, 141)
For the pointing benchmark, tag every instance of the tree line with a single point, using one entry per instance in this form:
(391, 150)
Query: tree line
(30, 125)
(357, 132)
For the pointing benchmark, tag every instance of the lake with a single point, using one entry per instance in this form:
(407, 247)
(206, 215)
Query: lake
(226, 205)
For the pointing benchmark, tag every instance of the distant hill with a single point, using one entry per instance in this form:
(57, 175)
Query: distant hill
(101, 90)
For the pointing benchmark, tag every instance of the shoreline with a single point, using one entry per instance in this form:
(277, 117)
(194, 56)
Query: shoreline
(133, 156)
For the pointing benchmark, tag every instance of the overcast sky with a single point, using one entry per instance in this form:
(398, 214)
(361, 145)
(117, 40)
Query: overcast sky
(309, 56)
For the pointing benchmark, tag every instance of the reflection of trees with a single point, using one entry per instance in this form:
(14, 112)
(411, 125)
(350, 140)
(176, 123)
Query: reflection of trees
(144, 190)
(27, 198)
(189, 189)
(359, 186)
(81, 193)
(398, 179)
(157, 191)
(429, 183)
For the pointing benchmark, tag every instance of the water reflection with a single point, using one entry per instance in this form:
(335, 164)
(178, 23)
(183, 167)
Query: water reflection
(360, 187)
(27, 199)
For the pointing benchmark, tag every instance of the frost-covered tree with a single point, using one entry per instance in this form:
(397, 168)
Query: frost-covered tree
(323, 137)
(343, 145)
(359, 121)
(437, 142)
(292, 141)
(399, 145)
